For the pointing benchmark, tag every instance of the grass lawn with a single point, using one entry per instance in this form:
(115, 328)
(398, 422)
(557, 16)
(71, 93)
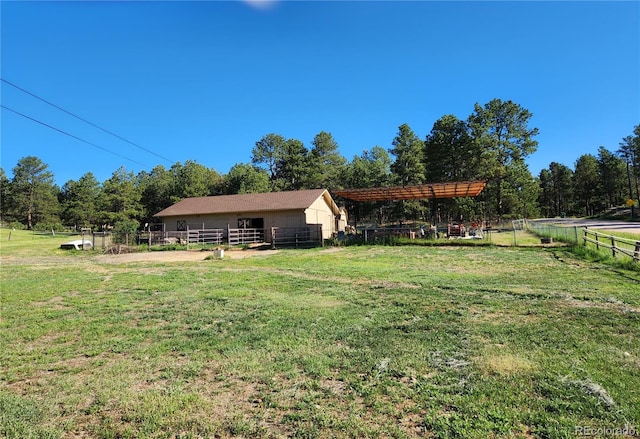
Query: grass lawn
(368, 341)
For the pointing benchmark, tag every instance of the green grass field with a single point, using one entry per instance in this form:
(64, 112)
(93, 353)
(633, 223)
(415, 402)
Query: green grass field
(402, 341)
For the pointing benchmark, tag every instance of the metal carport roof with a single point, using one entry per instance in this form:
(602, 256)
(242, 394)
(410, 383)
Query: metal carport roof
(416, 192)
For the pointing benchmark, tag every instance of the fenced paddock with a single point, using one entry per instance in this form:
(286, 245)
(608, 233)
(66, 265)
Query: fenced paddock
(619, 247)
(276, 236)
(570, 235)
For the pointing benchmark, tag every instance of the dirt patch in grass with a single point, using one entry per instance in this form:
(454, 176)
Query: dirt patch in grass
(611, 303)
(178, 256)
(55, 303)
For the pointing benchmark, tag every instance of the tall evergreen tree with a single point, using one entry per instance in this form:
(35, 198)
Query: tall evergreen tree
(408, 166)
(562, 187)
(501, 133)
(194, 180)
(325, 163)
(245, 178)
(32, 195)
(79, 200)
(545, 197)
(586, 184)
(448, 152)
(119, 200)
(407, 169)
(629, 152)
(4, 193)
(613, 177)
(268, 152)
(520, 196)
(449, 156)
(158, 190)
(292, 168)
(370, 169)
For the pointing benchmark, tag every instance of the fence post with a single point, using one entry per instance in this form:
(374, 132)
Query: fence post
(575, 229)
(597, 243)
(636, 252)
(613, 246)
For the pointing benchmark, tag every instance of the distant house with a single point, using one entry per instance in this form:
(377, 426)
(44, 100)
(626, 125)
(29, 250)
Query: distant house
(308, 213)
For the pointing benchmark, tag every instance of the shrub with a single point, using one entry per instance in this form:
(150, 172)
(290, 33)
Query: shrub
(124, 231)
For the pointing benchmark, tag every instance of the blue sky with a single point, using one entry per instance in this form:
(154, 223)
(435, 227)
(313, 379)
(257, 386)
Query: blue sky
(204, 81)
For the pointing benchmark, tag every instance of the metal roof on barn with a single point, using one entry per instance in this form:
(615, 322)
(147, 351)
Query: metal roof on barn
(416, 192)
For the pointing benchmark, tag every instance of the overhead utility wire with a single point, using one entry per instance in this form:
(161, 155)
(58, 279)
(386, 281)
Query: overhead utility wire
(70, 135)
(86, 121)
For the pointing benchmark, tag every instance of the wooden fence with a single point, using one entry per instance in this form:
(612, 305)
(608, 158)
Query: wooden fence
(618, 246)
(277, 236)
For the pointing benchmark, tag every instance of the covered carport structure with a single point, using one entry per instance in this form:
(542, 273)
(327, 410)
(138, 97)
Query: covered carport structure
(430, 191)
(415, 192)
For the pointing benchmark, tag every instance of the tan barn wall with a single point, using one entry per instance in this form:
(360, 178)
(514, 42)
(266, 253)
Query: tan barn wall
(320, 213)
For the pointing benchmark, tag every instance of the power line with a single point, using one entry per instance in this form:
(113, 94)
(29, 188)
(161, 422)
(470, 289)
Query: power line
(70, 135)
(86, 121)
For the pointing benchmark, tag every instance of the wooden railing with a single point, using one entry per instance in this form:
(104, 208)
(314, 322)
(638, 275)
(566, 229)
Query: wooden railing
(618, 246)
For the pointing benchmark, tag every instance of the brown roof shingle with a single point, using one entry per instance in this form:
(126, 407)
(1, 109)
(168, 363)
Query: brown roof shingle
(270, 201)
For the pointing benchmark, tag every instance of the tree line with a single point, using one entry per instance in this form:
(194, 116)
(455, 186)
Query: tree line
(491, 144)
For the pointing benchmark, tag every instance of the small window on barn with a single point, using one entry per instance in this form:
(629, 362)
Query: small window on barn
(182, 226)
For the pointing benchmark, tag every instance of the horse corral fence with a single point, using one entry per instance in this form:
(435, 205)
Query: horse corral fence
(618, 246)
(583, 235)
(276, 236)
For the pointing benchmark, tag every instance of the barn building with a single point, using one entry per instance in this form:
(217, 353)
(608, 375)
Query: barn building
(306, 215)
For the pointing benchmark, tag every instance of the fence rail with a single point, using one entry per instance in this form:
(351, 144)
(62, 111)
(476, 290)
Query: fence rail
(205, 236)
(245, 236)
(617, 245)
